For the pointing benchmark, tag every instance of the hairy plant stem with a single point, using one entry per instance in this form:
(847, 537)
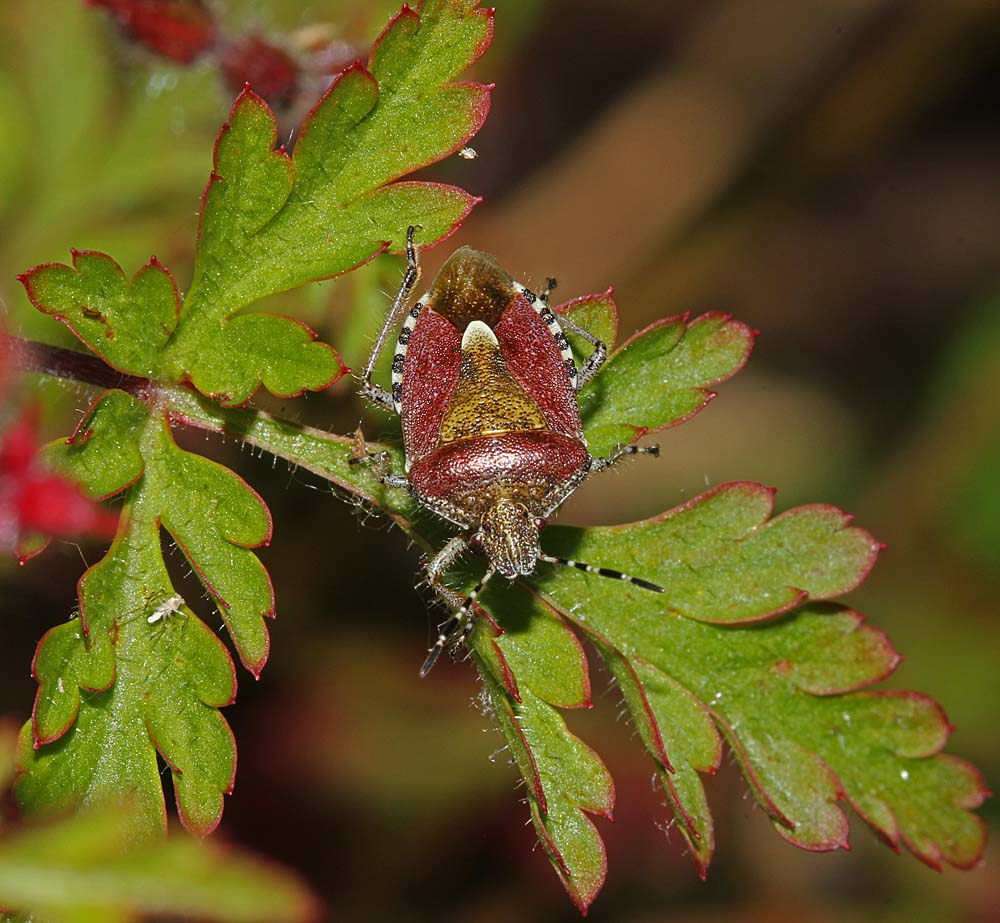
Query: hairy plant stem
(316, 450)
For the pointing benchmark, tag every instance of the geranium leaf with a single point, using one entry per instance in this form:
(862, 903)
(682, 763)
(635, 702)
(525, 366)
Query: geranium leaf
(661, 377)
(740, 646)
(334, 201)
(721, 559)
(139, 657)
(125, 321)
(564, 778)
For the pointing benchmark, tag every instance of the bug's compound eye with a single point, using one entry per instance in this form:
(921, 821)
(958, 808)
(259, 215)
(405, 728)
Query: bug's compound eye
(476, 541)
(540, 523)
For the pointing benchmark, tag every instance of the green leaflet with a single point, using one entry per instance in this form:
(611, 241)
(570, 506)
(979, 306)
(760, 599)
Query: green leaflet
(662, 374)
(721, 559)
(115, 688)
(559, 797)
(333, 203)
(125, 321)
(271, 221)
(87, 868)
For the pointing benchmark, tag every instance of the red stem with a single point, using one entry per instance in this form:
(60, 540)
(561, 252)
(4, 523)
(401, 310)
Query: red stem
(32, 356)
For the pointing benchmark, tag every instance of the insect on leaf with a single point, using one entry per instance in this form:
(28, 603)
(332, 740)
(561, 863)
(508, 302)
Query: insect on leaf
(743, 646)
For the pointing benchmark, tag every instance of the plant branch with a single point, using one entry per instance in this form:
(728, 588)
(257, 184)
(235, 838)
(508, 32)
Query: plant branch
(316, 450)
(59, 362)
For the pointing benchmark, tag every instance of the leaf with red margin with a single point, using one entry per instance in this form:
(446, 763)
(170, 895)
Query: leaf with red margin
(721, 559)
(148, 686)
(672, 721)
(139, 674)
(776, 686)
(127, 322)
(781, 692)
(598, 315)
(271, 221)
(565, 780)
(661, 377)
(528, 627)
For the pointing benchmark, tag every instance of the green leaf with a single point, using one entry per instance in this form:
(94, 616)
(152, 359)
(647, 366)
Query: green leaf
(597, 314)
(720, 559)
(335, 202)
(739, 647)
(126, 322)
(88, 868)
(559, 801)
(661, 377)
(114, 668)
(103, 452)
(271, 221)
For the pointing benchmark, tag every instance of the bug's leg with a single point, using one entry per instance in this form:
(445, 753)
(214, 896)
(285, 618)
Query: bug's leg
(461, 620)
(459, 625)
(380, 462)
(550, 287)
(599, 464)
(369, 389)
(604, 572)
(595, 360)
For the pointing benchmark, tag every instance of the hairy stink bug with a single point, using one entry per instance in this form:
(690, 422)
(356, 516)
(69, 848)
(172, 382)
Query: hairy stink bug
(486, 386)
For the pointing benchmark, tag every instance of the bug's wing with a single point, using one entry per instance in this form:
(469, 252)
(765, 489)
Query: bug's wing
(432, 364)
(535, 359)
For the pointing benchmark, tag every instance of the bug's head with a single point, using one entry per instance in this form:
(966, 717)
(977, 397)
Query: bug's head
(508, 534)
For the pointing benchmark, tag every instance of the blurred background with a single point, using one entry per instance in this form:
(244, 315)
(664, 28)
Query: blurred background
(824, 170)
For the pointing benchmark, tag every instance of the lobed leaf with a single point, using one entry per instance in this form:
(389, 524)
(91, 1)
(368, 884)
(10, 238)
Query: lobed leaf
(803, 752)
(597, 314)
(661, 377)
(738, 646)
(125, 321)
(720, 559)
(559, 800)
(335, 201)
(113, 669)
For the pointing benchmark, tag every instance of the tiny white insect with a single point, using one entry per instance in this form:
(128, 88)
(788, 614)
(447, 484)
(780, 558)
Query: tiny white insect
(166, 609)
(468, 153)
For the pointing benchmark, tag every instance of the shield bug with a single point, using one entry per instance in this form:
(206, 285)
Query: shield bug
(485, 384)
